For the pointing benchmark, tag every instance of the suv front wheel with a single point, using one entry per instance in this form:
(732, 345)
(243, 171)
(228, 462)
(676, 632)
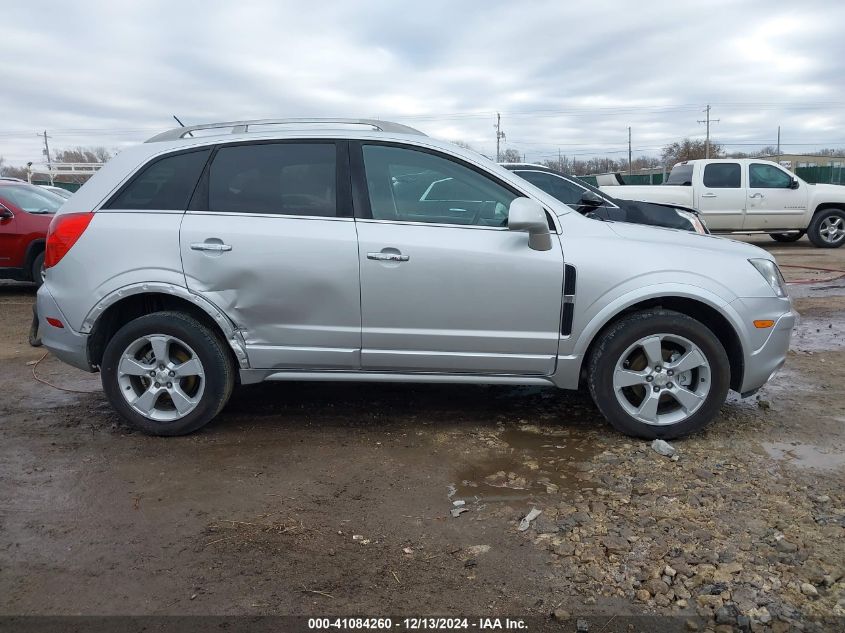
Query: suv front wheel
(167, 374)
(659, 374)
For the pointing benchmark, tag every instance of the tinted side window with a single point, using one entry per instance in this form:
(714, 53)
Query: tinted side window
(414, 186)
(565, 191)
(166, 184)
(761, 176)
(722, 176)
(279, 178)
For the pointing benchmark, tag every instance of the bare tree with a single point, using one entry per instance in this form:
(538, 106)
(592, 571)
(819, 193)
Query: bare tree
(82, 155)
(11, 171)
(688, 149)
(511, 155)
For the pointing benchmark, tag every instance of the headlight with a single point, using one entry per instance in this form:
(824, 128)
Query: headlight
(696, 221)
(771, 273)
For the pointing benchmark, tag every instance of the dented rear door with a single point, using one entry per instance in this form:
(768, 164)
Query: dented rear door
(270, 240)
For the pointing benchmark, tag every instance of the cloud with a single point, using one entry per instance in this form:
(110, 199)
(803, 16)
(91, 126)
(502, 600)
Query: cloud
(563, 76)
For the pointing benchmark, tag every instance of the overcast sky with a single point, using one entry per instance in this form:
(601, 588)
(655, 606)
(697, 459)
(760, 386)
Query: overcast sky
(564, 75)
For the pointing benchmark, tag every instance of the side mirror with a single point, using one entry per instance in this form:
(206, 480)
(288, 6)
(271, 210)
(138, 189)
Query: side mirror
(5, 214)
(526, 214)
(794, 184)
(591, 199)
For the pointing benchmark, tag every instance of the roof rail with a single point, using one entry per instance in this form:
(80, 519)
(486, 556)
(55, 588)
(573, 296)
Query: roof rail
(241, 127)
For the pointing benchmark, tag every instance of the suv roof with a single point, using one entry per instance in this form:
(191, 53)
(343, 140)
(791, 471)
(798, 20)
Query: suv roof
(243, 127)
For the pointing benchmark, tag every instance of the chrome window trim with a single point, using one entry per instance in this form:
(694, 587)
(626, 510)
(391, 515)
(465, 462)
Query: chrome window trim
(269, 215)
(443, 225)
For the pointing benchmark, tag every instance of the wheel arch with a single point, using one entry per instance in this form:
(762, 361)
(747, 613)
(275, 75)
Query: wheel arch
(130, 302)
(35, 247)
(824, 206)
(695, 308)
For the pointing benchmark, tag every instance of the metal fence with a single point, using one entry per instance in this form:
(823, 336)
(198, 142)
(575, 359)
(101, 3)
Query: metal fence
(633, 179)
(70, 186)
(829, 174)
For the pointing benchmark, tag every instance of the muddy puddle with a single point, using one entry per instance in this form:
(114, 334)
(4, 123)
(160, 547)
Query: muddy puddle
(806, 455)
(525, 463)
(819, 333)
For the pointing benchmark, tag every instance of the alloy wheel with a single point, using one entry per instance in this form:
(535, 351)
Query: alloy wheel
(832, 229)
(161, 377)
(662, 379)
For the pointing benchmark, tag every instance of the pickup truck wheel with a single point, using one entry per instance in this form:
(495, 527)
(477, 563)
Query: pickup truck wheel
(659, 374)
(827, 228)
(37, 270)
(786, 237)
(167, 374)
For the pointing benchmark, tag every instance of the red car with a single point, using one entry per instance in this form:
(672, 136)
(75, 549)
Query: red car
(25, 215)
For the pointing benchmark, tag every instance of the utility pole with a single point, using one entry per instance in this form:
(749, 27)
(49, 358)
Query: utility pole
(778, 144)
(707, 120)
(630, 166)
(47, 154)
(499, 136)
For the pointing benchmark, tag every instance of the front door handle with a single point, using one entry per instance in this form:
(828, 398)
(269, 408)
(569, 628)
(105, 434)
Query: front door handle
(388, 257)
(216, 247)
(708, 195)
(755, 195)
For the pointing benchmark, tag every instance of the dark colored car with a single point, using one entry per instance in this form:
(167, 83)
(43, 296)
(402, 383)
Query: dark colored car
(25, 214)
(594, 203)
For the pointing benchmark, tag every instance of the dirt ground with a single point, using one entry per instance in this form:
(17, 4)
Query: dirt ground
(323, 498)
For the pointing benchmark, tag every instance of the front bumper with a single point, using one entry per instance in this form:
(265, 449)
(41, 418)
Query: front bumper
(67, 345)
(762, 363)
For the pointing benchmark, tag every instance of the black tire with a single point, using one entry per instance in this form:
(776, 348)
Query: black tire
(617, 338)
(37, 269)
(814, 231)
(786, 237)
(217, 365)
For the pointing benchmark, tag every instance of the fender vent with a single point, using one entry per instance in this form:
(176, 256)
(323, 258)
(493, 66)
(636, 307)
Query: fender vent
(570, 276)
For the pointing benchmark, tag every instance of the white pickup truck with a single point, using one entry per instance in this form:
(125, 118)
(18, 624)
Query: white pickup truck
(749, 196)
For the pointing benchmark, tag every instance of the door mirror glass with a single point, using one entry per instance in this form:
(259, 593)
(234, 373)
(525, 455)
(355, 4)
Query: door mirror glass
(5, 213)
(528, 215)
(591, 199)
(794, 184)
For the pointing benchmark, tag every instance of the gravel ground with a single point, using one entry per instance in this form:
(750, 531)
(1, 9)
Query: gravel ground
(320, 498)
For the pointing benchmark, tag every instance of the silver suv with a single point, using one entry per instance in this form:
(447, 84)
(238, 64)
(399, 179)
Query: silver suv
(234, 253)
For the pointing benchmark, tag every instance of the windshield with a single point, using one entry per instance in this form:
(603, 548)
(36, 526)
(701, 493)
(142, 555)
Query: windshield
(681, 174)
(32, 199)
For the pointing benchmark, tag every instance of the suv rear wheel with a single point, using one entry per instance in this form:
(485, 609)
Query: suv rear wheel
(167, 374)
(659, 374)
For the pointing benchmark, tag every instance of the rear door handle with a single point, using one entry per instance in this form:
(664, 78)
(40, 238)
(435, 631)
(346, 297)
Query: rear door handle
(388, 257)
(216, 247)
(708, 195)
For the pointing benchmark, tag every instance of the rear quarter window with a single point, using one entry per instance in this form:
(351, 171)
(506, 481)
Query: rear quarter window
(166, 184)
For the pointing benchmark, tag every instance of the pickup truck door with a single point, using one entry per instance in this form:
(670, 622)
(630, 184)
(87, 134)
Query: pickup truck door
(772, 202)
(721, 196)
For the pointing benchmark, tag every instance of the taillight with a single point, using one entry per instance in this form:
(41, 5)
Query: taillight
(64, 230)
